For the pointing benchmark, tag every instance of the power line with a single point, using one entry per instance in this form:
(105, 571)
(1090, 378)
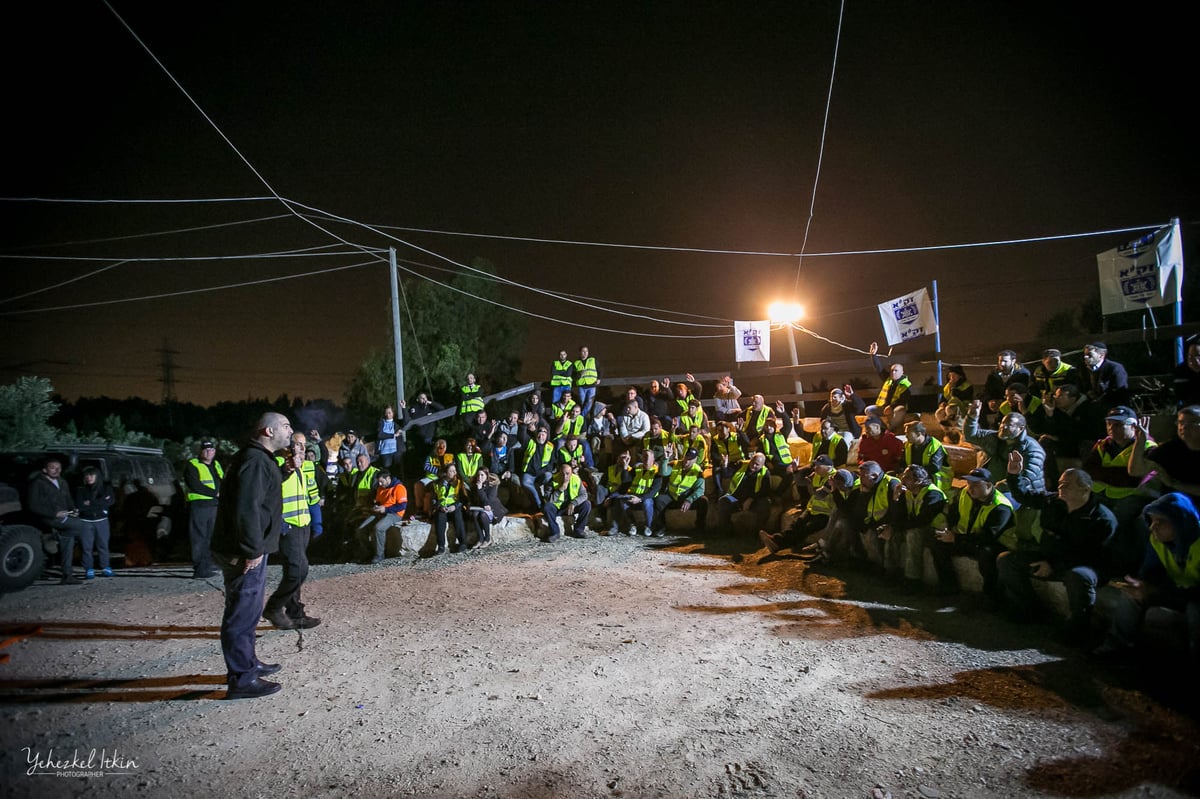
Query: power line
(153, 233)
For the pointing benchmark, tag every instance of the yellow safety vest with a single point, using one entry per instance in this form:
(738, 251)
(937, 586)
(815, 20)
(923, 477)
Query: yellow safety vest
(564, 494)
(913, 502)
(885, 392)
(585, 372)
(547, 454)
(777, 443)
(763, 473)
(469, 465)
(1120, 461)
(471, 402)
(435, 463)
(823, 447)
(1185, 575)
(682, 480)
(820, 504)
(206, 477)
(560, 375)
(643, 479)
(447, 493)
(945, 475)
(880, 501)
(729, 447)
(965, 504)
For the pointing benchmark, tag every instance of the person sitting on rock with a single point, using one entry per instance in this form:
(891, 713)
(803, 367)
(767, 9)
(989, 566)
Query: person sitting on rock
(683, 490)
(567, 496)
(391, 501)
(976, 525)
(646, 483)
(817, 490)
(749, 489)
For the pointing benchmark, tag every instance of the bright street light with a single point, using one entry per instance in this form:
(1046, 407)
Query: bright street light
(785, 312)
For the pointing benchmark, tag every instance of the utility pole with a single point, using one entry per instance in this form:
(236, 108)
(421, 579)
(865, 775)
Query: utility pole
(398, 350)
(168, 373)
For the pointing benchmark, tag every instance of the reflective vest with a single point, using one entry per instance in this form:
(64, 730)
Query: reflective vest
(683, 480)
(643, 479)
(1184, 575)
(565, 493)
(699, 443)
(914, 502)
(729, 447)
(693, 420)
(472, 401)
(545, 454)
(435, 462)
(823, 447)
(1049, 382)
(618, 477)
(468, 465)
(820, 503)
(559, 410)
(295, 500)
(966, 506)
(446, 493)
(950, 393)
(573, 426)
(756, 419)
(763, 474)
(1120, 461)
(365, 480)
(776, 445)
(945, 475)
(892, 389)
(567, 454)
(206, 477)
(560, 374)
(585, 372)
(310, 482)
(881, 496)
(1034, 402)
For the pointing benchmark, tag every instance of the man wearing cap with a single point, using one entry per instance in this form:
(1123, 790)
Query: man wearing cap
(978, 523)
(1116, 486)
(684, 490)
(816, 485)
(1012, 436)
(1108, 382)
(1053, 372)
(202, 477)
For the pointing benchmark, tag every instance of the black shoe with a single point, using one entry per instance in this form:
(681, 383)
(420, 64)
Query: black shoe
(460, 549)
(373, 561)
(280, 620)
(306, 622)
(253, 689)
(72, 580)
(549, 540)
(267, 669)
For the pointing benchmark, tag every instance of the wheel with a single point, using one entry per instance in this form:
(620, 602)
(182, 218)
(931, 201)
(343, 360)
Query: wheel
(21, 557)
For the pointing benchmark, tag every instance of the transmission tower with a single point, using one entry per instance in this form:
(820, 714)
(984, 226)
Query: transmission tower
(168, 373)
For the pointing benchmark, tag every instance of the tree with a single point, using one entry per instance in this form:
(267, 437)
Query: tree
(458, 330)
(25, 411)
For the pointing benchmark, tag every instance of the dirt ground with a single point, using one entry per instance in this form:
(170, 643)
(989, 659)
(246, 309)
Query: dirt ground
(611, 667)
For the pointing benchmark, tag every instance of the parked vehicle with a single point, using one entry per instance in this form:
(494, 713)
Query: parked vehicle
(144, 484)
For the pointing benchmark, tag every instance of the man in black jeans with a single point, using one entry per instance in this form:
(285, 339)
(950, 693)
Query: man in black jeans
(50, 499)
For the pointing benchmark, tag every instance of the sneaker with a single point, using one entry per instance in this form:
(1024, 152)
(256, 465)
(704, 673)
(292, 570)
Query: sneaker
(107, 572)
(90, 574)
(769, 541)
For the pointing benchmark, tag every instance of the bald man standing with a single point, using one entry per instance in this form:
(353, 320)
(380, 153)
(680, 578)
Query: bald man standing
(249, 515)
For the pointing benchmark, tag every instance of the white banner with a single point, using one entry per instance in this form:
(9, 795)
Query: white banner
(752, 341)
(1144, 273)
(908, 317)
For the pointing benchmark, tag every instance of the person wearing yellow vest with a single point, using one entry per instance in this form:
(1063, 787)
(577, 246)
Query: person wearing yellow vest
(202, 477)
(470, 397)
(829, 442)
(925, 450)
(756, 416)
(1116, 487)
(1167, 585)
(283, 608)
(695, 439)
(363, 480)
(683, 490)
(780, 462)
(977, 524)
(469, 461)
(838, 539)
(567, 496)
(1017, 397)
(537, 466)
(730, 447)
(617, 480)
(874, 510)
(1053, 372)
(430, 472)
(817, 486)
(448, 496)
(560, 376)
(749, 489)
(895, 388)
(644, 487)
(587, 377)
(923, 509)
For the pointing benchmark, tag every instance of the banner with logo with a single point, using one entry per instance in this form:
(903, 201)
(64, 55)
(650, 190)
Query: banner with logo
(752, 341)
(1146, 272)
(908, 317)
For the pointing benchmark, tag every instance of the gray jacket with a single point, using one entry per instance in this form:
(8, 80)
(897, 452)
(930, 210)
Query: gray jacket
(1032, 478)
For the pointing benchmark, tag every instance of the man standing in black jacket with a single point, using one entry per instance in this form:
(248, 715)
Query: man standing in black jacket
(247, 531)
(50, 499)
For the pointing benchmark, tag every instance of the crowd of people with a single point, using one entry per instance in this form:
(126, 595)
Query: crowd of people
(1067, 484)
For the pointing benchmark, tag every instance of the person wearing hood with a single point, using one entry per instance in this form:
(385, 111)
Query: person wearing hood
(1166, 590)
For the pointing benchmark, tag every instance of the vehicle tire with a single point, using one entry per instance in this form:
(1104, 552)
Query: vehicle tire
(21, 557)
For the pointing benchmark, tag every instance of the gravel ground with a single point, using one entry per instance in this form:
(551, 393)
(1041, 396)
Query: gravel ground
(611, 667)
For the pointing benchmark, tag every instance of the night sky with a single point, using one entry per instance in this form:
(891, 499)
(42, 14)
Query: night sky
(692, 125)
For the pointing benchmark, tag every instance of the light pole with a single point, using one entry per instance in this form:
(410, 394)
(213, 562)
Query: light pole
(788, 313)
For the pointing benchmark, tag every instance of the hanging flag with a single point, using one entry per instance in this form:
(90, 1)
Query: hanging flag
(752, 341)
(1147, 272)
(908, 317)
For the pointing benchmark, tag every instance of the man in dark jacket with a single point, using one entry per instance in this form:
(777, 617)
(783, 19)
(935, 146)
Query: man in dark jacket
(1011, 437)
(50, 500)
(1076, 534)
(247, 531)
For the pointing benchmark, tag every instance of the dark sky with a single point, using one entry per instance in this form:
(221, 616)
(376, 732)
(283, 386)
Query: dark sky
(691, 125)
